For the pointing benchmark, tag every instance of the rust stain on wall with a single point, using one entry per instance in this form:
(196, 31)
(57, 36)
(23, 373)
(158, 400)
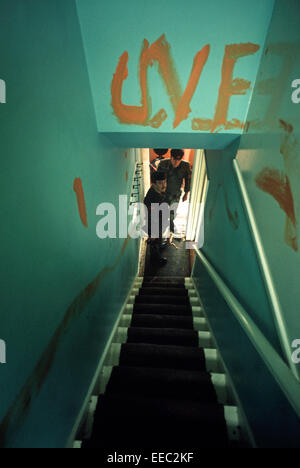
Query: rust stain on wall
(233, 217)
(212, 209)
(286, 126)
(21, 406)
(78, 189)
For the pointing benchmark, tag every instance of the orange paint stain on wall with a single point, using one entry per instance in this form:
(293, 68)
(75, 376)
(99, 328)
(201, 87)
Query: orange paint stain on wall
(277, 185)
(78, 189)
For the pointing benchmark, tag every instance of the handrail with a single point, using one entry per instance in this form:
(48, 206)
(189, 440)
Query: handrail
(266, 272)
(278, 368)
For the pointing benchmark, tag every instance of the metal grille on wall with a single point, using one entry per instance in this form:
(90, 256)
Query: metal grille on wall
(137, 190)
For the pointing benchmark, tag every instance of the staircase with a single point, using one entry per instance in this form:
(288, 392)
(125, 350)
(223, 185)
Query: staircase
(163, 385)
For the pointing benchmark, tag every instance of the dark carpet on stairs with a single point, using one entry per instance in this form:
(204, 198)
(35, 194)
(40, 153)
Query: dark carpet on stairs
(160, 396)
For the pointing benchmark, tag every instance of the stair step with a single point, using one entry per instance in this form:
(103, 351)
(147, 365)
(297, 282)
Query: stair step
(163, 309)
(160, 321)
(163, 321)
(163, 292)
(218, 388)
(191, 298)
(130, 421)
(164, 279)
(162, 299)
(168, 336)
(169, 383)
(168, 309)
(163, 285)
(164, 356)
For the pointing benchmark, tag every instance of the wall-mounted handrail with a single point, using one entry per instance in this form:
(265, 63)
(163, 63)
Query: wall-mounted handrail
(289, 385)
(266, 273)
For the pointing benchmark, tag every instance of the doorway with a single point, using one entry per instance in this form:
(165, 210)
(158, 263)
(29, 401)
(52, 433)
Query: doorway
(181, 218)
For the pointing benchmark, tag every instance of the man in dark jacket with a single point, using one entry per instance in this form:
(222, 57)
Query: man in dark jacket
(177, 171)
(158, 215)
(160, 157)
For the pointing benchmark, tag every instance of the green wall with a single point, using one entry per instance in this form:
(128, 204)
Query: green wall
(61, 287)
(268, 155)
(228, 242)
(269, 158)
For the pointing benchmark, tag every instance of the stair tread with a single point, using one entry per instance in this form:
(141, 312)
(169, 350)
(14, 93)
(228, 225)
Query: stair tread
(163, 291)
(175, 357)
(131, 421)
(173, 383)
(163, 285)
(168, 336)
(179, 279)
(162, 309)
(162, 299)
(159, 320)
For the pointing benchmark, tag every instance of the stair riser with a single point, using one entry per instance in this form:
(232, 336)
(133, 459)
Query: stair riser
(199, 323)
(212, 359)
(218, 380)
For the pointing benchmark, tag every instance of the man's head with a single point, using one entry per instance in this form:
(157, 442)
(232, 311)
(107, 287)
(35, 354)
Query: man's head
(161, 152)
(176, 157)
(159, 181)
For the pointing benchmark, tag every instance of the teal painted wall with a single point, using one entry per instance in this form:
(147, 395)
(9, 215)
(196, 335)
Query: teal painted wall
(269, 158)
(112, 28)
(228, 242)
(268, 155)
(271, 419)
(61, 287)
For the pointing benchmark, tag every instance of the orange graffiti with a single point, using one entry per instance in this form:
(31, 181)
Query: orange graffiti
(160, 52)
(228, 88)
(277, 185)
(78, 189)
(183, 108)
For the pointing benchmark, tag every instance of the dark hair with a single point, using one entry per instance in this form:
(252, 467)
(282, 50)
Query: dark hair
(161, 151)
(158, 175)
(177, 154)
